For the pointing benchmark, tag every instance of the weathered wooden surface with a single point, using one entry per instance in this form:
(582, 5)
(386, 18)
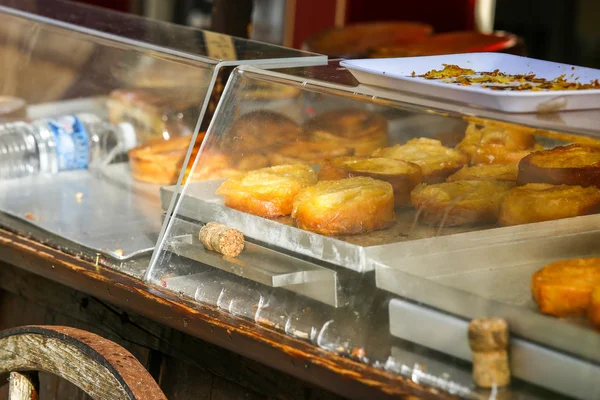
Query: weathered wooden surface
(243, 338)
(23, 386)
(101, 368)
(179, 362)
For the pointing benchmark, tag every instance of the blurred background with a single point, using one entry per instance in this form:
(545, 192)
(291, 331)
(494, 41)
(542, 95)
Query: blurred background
(556, 30)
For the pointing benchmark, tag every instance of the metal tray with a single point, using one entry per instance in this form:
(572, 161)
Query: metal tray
(260, 264)
(200, 203)
(531, 362)
(103, 213)
(490, 276)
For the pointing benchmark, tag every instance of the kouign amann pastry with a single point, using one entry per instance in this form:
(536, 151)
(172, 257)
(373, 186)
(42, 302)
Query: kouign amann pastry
(258, 130)
(345, 207)
(363, 131)
(570, 165)
(493, 142)
(486, 172)
(160, 161)
(267, 192)
(460, 202)
(306, 152)
(402, 175)
(536, 202)
(564, 288)
(436, 161)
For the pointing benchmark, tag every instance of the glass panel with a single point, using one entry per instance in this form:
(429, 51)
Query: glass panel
(193, 43)
(98, 109)
(377, 225)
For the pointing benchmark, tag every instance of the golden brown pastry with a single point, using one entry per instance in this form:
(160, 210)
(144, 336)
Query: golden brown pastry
(361, 130)
(258, 130)
(267, 192)
(152, 112)
(214, 164)
(460, 202)
(494, 142)
(593, 311)
(436, 161)
(402, 175)
(160, 161)
(564, 288)
(486, 172)
(536, 202)
(570, 165)
(345, 207)
(306, 152)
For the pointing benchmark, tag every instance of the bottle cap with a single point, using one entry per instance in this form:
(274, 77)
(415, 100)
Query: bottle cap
(127, 136)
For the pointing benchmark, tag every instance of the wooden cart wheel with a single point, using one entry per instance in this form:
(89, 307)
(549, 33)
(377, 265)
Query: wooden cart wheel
(99, 367)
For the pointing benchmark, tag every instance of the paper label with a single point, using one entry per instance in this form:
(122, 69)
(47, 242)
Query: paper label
(72, 142)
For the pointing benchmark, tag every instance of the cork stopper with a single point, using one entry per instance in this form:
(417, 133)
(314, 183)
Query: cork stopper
(222, 239)
(488, 339)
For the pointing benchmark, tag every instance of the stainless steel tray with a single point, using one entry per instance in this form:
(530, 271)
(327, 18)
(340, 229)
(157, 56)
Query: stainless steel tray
(200, 203)
(104, 213)
(531, 362)
(265, 266)
(490, 276)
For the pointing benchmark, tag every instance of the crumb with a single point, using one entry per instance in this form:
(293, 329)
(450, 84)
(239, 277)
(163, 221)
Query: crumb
(413, 73)
(358, 352)
(78, 197)
(30, 216)
(119, 252)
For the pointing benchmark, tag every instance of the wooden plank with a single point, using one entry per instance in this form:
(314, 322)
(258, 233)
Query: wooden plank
(40, 301)
(23, 386)
(40, 353)
(101, 368)
(291, 356)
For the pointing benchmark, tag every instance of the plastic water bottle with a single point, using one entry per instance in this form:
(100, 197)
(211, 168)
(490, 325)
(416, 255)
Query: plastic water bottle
(63, 143)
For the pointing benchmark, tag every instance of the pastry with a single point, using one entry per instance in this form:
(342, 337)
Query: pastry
(267, 192)
(460, 202)
(355, 40)
(345, 207)
(570, 165)
(593, 311)
(257, 130)
(361, 130)
(564, 288)
(154, 113)
(402, 175)
(306, 152)
(494, 142)
(215, 165)
(536, 202)
(436, 161)
(160, 161)
(448, 43)
(486, 172)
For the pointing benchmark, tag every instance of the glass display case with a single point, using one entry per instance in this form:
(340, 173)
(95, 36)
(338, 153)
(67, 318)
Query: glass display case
(108, 106)
(377, 224)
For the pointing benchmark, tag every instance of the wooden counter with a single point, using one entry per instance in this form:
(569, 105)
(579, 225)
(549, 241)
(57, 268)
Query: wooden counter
(192, 350)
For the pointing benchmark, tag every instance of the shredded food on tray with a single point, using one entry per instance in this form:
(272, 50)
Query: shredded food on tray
(497, 80)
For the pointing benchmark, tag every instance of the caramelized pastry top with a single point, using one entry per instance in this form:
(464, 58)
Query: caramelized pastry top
(435, 160)
(345, 206)
(498, 172)
(536, 202)
(260, 129)
(306, 152)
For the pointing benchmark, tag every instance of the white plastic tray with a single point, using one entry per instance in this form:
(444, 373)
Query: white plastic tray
(396, 73)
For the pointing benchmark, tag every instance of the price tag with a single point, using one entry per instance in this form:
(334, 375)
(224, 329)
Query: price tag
(219, 46)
